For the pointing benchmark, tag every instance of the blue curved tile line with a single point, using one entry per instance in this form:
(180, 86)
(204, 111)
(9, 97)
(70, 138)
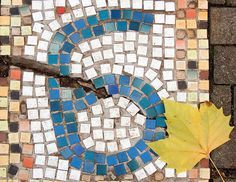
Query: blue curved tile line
(94, 26)
(65, 125)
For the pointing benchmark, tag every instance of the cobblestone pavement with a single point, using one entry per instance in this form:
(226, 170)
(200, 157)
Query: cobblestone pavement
(222, 31)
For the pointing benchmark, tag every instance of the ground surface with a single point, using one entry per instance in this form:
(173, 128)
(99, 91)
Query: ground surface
(222, 17)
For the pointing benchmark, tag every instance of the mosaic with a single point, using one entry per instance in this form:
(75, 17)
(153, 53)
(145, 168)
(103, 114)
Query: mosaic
(138, 50)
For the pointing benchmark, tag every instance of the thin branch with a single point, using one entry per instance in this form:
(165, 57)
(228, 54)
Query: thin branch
(49, 70)
(217, 169)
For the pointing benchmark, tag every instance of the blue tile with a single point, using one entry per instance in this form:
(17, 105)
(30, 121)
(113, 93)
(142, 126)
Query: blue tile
(98, 30)
(153, 152)
(100, 158)
(159, 135)
(87, 33)
(127, 14)
(148, 135)
(80, 105)
(147, 89)
(121, 26)
(52, 59)
(66, 153)
(148, 18)
(154, 98)
(133, 152)
(62, 142)
(160, 109)
(141, 145)
(144, 103)
(79, 93)
(88, 167)
(89, 156)
(137, 16)
(135, 95)
(68, 29)
(67, 105)
(56, 117)
(67, 47)
(58, 38)
(115, 14)
(146, 157)
(104, 15)
(71, 128)
(98, 82)
(124, 80)
(134, 26)
(145, 28)
(52, 83)
(55, 106)
(110, 79)
(76, 162)
(137, 82)
(91, 98)
(78, 149)
(110, 27)
(101, 169)
(79, 24)
(73, 139)
(124, 90)
(133, 165)
(75, 38)
(113, 89)
(54, 94)
(112, 160)
(64, 58)
(160, 122)
(120, 169)
(69, 117)
(151, 112)
(122, 157)
(59, 130)
(92, 20)
(150, 124)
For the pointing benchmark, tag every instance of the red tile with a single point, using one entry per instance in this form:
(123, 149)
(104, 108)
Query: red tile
(28, 162)
(204, 163)
(60, 10)
(190, 13)
(15, 74)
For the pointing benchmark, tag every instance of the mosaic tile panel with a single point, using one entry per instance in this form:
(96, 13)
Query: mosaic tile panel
(139, 51)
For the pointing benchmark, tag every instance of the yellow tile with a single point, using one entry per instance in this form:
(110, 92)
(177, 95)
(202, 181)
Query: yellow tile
(17, 2)
(203, 15)
(192, 54)
(4, 160)
(180, 24)
(5, 50)
(14, 85)
(202, 33)
(203, 54)
(3, 91)
(3, 114)
(204, 85)
(192, 96)
(203, 65)
(19, 41)
(205, 173)
(3, 125)
(14, 158)
(14, 107)
(4, 30)
(191, 24)
(193, 86)
(26, 30)
(4, 20)
(203, 44)
(5, 2)
(25, 137)
(202, 4)
(4, 148)
(13, 137)
(3, 173)
(15, 21)
(3, 102)
(192, 43)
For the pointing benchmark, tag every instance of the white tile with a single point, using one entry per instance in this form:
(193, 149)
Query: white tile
(170, 19)
(170, 6)
(40, 160)
(38, 27)
(119, 58)
(108, 102)
(29, 50)
(123, 102)
(142, 39)
(157, 40)
(125, 121)
(60, 3)
(118, 48)
(74, 2)
(142, 50)
(39, 148)
(85, 128)
(156, 83)
(125, 4)
(78, 13)
(169, 32)
(112, 146)
(42, 57)
(32, 40)
(61, 175)
(66, 18)
(91, 73)
(50, 173)
(163, 93)
(31, 103)
(150, 74)
(88, 142)
(158, 29)
(33, 114)
(108, 123)
(131, 36)
(131, 58)
(159, 5)
(48, 4)
(37, 173)
(47, 35)
(167, 75)
(160, 164)
(169, 52)
(109, 135)
(182, 175)
(87, 61)
(44, 113)
(100, 146)
(112, 3)
(97, 56)
(160, 18)
(97, 109)
(129, 69)
(169, 42)
(148, 5)
(114, 112)
(140, 119)
(105, 68)
(54, 25)
(143, 61)
(96, 122)
(97, 134)
(129, 46)
(75, 174)
(139, 72)
(138, 4)
(172, 86)
(82, 116)
(169, 172)
(49, 15)
(43, 45)
(63, 164)
(37, 5)
(181, 96)
(86, 3)
(95, 43)
(150, 168)
(132, 109)
(50, 136)
(76, 56)
(76, 68)
(117, 69)
(47, 125)
(134, 133)
(157, 52)
(120, 132)
(108, 54)
(35, 126)
(52, 148)
(169, 64)
(90, 11)
(38, 138)
(140, 174)
(106, 40)
(53, 161)
(40, 91)
(101, 3)
(118, 37)
(125, 143)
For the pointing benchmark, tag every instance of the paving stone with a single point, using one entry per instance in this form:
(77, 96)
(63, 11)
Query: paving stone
(221, 97)
(223, 25)
(234, 106)
(231, 2)
(224, 65)
(216, 1)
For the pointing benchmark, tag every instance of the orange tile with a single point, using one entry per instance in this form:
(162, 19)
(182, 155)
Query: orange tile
(193, 174)
(190, 13)
(182, 4)
(23, 175)
(180, 44)
(24, 126)
(27, 149)
(28, 162)
(3, 91)
(15, 74)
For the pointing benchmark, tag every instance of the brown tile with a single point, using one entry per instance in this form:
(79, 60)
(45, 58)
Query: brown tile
(204, 163)
(3, 137)
(204, 75)
(3, 82)
(193, 174)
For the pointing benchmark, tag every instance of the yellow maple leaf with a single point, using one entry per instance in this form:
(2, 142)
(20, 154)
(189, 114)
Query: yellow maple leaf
(193, 134)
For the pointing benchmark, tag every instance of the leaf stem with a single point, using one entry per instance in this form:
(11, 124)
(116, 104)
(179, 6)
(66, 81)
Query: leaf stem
(217, 169)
